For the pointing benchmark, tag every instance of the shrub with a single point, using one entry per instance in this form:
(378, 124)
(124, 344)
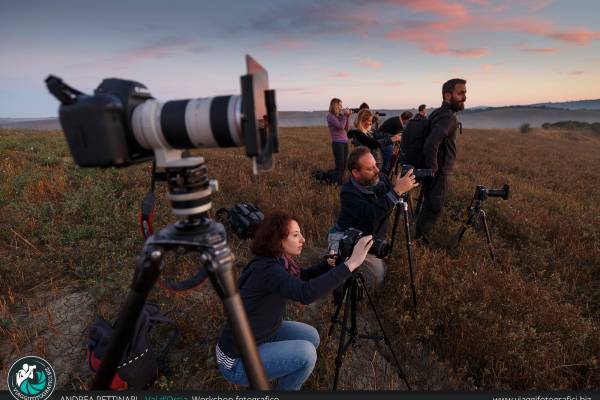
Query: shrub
(525, 128)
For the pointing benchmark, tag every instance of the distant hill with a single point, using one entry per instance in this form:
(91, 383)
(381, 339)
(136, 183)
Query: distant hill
(477, 117)
(572, 105)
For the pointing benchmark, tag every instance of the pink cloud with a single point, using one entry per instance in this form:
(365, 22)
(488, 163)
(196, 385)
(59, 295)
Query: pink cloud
(369, 62)
(580, 36)
(437, 7)
(474, 53)
(541, 50)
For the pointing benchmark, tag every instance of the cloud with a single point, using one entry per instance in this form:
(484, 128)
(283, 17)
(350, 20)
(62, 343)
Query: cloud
(580, 36)
(161, 48)
(341, 74)
(576, 72)
(369, 62)
(278, 46)
(436, 7)
(474, 53)
(541, 50)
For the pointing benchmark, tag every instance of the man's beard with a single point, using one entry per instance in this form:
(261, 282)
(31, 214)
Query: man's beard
(370, 182)
(457, 106)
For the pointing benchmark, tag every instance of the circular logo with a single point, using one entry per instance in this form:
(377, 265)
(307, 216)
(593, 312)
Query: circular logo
(31, 378)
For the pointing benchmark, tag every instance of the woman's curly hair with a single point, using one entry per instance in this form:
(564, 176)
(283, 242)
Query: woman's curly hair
(269, 233)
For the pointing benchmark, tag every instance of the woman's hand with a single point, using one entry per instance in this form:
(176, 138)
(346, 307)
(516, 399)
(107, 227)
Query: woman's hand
(359, 252)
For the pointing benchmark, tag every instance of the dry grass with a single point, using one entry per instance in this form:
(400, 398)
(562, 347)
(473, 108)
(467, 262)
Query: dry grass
(69, 238)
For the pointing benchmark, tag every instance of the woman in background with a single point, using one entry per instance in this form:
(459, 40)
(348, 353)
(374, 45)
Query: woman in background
(337, 122)
(287, 349)
(362, 135)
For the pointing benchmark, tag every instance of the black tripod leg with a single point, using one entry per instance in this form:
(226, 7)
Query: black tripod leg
(221, 276)
(342, 345)
(146, 272)
(488, 237)
(385, 338)
(338, 308)
(410, 256)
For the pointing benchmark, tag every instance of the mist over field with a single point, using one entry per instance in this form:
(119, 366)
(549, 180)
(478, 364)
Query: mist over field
(478, 118)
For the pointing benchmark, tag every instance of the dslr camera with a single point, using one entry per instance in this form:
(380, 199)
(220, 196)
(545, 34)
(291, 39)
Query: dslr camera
(122, 124)
(417, 172)
(379, 249)
(482, 193)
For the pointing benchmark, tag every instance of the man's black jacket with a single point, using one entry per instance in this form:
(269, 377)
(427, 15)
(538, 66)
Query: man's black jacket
(439, 149)
(366, 209)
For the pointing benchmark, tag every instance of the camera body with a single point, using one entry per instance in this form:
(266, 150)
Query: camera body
(482, 193)
(379, 249)
(419, 173)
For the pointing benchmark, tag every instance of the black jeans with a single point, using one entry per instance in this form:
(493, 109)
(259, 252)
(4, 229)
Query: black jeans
(340, 155)
(434, 193)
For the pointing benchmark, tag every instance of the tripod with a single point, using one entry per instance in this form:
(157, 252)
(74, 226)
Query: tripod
(189, 192)
(405, 203)
(353, 290)
(474, 210)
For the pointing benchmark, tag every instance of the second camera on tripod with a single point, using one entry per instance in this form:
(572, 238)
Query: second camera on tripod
(379, 249)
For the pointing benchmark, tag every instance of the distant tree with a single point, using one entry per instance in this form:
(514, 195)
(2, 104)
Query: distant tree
(525, 128)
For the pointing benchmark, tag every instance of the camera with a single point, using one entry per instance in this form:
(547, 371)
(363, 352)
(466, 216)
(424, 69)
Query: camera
(418, 173)
(379, 249)
(482, 193)
(243, 219)
(375, 113)
(122, 124)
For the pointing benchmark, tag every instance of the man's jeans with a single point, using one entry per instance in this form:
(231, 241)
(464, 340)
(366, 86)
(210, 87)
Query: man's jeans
(373, 269)
(288, 356)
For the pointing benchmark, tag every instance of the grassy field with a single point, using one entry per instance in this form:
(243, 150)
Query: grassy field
(69, 238)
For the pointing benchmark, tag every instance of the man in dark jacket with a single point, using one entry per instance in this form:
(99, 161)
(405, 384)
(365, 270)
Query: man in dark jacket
(439, 152)
(367, 200)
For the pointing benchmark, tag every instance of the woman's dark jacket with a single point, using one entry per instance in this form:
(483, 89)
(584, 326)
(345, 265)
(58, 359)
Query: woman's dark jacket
(265, 286)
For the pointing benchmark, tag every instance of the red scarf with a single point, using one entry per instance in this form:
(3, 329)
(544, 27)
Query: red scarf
(290, 265)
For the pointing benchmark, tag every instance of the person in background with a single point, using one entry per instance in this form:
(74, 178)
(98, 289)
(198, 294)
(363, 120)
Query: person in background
(391, 127)
(337, 121)
(362, 135)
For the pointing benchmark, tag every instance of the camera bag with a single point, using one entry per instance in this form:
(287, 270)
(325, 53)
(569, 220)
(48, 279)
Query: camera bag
(141, 360)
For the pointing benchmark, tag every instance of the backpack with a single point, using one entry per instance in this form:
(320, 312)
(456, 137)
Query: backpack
(242, 218)
(141, 361)
(324, 177)
(413, 139)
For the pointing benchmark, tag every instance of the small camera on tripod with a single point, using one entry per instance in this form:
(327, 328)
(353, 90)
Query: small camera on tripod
(482, 193)
(379, 249)
(419, 173)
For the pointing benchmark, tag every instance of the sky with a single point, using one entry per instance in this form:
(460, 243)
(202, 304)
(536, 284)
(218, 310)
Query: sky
(393, 54)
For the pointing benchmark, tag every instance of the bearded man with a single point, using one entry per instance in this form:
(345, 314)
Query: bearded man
(366, 201)
(439, 152)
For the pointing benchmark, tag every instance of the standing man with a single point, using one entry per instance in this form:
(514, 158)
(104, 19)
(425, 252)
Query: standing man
(439, 152)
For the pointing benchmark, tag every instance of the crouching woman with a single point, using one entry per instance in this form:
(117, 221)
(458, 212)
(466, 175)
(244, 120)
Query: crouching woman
(287, 348)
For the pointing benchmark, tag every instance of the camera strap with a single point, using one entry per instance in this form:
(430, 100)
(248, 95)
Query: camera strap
(147, 209)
